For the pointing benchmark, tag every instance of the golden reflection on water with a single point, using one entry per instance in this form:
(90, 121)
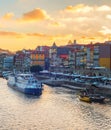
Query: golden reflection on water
(56, 109)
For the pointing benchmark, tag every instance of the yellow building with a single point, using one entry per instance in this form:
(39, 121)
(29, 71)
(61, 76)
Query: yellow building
(105, 55)
(105, 62)
(37, 58)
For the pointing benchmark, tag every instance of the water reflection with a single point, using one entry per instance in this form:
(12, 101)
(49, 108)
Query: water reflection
(56, 109)
(95, 114)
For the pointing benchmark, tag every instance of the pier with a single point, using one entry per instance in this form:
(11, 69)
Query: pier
(70, 84)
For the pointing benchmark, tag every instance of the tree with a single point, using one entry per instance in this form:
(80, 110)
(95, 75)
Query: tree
(36, 68)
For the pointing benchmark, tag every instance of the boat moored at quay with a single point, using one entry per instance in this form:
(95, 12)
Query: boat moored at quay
(25, 83)
(100, 83)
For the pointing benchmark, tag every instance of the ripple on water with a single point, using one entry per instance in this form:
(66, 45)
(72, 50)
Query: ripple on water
(55, 109)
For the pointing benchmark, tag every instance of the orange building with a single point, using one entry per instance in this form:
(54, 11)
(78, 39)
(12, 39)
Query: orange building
(37, 58)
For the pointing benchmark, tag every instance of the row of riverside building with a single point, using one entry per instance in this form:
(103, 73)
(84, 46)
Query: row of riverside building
(65, 59)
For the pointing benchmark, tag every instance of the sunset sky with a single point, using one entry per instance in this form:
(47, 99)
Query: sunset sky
(25, 24)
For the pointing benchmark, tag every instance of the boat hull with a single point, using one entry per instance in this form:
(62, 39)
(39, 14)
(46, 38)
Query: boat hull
(33, 91)
(85, 99)
(92, 98)
(31, 87)
(30, 91)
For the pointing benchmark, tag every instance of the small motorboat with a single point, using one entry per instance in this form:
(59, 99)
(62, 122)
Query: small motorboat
(84, 98)
(90, 97)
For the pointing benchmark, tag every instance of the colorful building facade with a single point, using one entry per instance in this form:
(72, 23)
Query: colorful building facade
(105, 55)
(37, 58)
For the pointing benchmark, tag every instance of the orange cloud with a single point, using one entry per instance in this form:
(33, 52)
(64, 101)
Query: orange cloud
(11, 34)
(41, 35)
(54, 37)
(74, 22)
(70, 7)
(36, 34)
(79, 8)
(8, 16)
(35, 15)
(21, 35)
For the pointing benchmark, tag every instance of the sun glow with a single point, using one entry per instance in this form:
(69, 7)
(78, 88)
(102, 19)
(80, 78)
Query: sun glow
(40, 26)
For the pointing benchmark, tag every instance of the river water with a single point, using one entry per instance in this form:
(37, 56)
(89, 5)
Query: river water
(56, 109)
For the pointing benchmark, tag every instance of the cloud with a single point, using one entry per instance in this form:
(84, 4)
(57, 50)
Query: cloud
(8, 16)
(55, 24)
(105, 30)
(61, 36)
(86, 8)
(84, 19)
(70, 23)
(1, 25)
(108, 16)
(79, 8)
(23, 35)
(43, 35)
(35, 15)
(11, 34)
(36, 34)
(104, 8)
(52, 37)
(81, 19)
